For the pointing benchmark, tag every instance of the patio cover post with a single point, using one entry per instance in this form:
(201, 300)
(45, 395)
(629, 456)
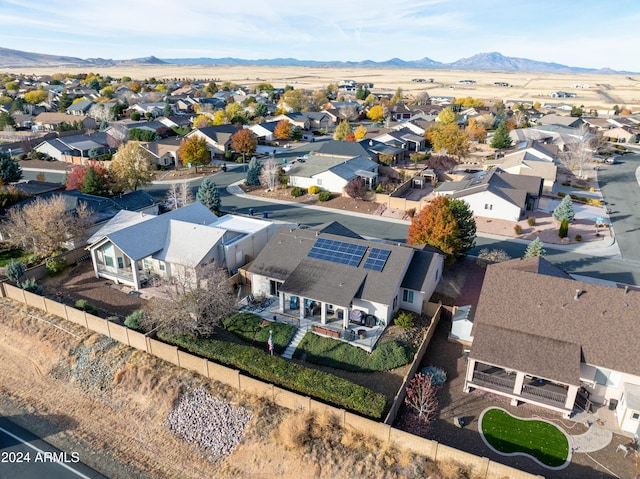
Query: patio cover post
(323, 312)
(301, 308)
(281, 301)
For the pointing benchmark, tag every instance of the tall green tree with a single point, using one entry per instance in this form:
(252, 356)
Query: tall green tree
(466, 223)
(501, 138)
(93, 183)
(564, 210)
(253, 173)
(343, 130)
(209, 195)
(535, 248)
(10, 171)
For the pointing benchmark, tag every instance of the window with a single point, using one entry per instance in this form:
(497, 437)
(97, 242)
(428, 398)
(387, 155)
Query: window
(407, 296)
(274, 287)
(319, 181)
(161, 265)
(395, 302)
(147, 262)
(108, 260)
(487, 206)
(120, 262)
(635, 416)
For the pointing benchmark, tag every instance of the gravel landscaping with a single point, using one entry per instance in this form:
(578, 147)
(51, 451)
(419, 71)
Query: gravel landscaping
(214, 425)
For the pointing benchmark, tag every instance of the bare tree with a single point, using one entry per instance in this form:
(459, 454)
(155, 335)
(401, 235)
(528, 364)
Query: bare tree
(348, 112)
(519, 118)
(178, 195)
(579, 150)
(356, 188)
(489, 256)
(116, 136)
(44, 225)
(269, 173)
(194, 301)
(421, 397)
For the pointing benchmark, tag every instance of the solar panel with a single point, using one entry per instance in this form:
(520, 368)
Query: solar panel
(376, 259)
(338, 252)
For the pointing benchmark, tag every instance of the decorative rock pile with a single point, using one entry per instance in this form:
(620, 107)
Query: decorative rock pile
(203, 419)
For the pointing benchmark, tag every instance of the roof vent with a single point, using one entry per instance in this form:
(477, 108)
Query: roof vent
(626, 289)
(578, 293)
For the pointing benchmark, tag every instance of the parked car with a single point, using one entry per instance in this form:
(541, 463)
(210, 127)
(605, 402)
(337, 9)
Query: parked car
(610, 160)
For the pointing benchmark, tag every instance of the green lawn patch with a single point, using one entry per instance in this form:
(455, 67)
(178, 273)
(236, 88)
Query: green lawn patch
(255, 330)
(12, 254)
(337, 354)
(539, 439)
(286, 374)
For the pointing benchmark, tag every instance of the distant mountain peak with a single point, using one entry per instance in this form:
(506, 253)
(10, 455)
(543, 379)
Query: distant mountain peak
(480, 61)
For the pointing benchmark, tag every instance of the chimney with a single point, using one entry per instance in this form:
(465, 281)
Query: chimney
(577, 296)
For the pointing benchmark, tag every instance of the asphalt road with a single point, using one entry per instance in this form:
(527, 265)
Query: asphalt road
(25, 456)
(618, 184)
(621, 191)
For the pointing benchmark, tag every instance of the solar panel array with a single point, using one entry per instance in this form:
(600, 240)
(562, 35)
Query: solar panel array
(337, 251)
(376, 259)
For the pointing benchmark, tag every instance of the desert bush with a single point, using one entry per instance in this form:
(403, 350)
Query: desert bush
(379, 188)
(531, 220)
(14, 270)
(55, 266)
(314, 190)
(517, 229)
(284, 180)
(324, 196)
(578, 238)
(30, 285)
(134, 321)
(438, 376)
(404, 319)
(83, 305)
(297, 191)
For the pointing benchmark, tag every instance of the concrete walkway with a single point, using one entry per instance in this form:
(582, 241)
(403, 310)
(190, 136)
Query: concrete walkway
(595, 438)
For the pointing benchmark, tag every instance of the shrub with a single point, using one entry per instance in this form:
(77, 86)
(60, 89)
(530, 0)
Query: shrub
(297, 191)
(592, 189)
(517, 229)
(134, 321)
(578, 238)
(324, 196)
(563, 231)
(561, 194)
(228, 155)
(284, 180)
(411, 212)
(30, 285)
(531, 220)
(55, 266)
(438, 376)
(404, 319)
(314, 190)
(83, 305)
(14, 270)
(379, 188)
(293, 376)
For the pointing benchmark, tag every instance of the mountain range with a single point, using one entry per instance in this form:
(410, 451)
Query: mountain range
(480, 62)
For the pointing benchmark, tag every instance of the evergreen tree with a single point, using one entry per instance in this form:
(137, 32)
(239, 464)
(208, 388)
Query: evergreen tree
(466, 223)
(209, 195)
(501, 138)
(564, 210)
(253, 173)
(93, 184)
(14, 270)
(260, 110)
(563, 232)
(9, 170)
(535, 248)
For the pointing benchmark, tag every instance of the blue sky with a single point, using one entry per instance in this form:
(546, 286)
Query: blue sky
(583, 33)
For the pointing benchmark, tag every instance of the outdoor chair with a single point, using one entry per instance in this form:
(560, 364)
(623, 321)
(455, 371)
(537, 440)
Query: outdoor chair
(622, 447)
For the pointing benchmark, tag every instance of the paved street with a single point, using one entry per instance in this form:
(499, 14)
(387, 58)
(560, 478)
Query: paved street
(25, 456)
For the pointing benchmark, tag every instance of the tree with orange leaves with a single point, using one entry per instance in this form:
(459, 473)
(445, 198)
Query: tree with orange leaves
(282, 131)
(447, 224)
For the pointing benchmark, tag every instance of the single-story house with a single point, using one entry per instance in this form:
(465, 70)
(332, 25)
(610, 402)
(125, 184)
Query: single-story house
(164, 152)
(530, 158)
(330, 274)
(332, 173)
(76, 148)
(543, 338)
(403, 138)
(218, 138)
(49, 121)
(496, 194)
(263, 131)
(132, 247)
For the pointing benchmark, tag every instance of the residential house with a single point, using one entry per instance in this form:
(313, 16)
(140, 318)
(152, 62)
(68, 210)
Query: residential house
(80, 108)
(530, 158)
(332, 173)
(542, 338)
(49, 121)
(263, 131)
(218, 138)
(330, 274)
(623, 134)
(164, 152)
(75, 148)
(155, 109)
(551, 119)
(307, 120)
(403, 138)
(132, 248)
(496, 194)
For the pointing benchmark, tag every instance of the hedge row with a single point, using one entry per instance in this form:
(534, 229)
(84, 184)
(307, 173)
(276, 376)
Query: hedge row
(292, 376)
